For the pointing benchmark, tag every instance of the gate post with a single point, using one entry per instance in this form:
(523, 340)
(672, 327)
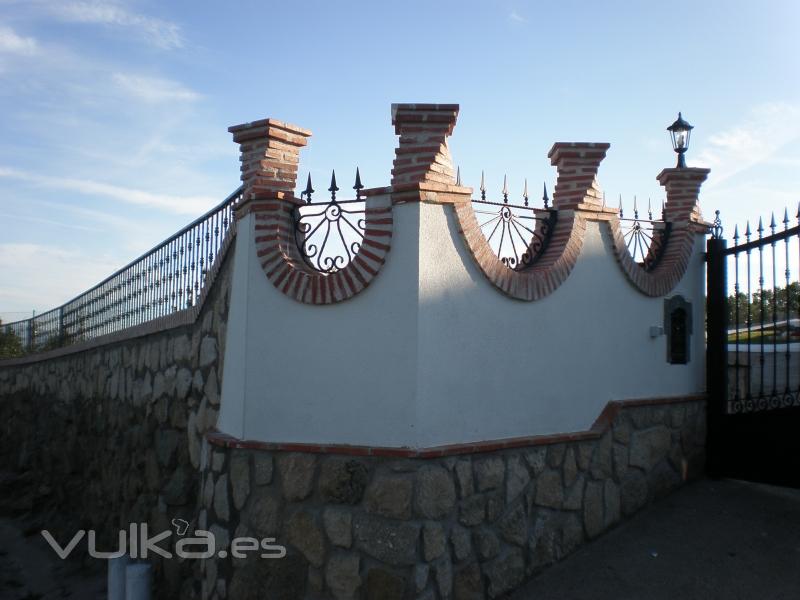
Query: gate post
(716, 351)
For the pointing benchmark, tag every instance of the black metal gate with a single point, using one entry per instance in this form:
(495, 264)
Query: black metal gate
(753, 354)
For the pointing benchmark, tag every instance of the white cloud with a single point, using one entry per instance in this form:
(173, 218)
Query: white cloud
(162, 34)
(758, 139)
(51, 275)
(183, 205)
(12, 43)
(516, 17)
(154, 89)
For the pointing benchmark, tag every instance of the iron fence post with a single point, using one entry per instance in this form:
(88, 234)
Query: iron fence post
(716, 353)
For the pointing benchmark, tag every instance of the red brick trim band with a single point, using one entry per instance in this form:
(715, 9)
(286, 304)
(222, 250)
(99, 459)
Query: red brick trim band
(670, 268)
(543, 277)
(601, 425)
(682, 212)
(186, 316)
(284, 266)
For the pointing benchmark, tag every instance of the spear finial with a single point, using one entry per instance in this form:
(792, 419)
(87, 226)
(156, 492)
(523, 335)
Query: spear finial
(358, 186)
(308, 191)
(334, 188)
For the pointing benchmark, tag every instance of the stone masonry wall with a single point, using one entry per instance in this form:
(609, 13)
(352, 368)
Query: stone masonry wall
(112, 435)
(468, 526)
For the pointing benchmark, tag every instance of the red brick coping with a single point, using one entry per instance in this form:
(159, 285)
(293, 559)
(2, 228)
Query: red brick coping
(600, 426)
(286, 268)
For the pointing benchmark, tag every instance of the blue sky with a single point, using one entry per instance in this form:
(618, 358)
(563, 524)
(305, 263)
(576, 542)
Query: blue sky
(113, 114)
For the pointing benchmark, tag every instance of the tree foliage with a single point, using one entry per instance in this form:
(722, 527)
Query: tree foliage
(10, 344)
(764, 308)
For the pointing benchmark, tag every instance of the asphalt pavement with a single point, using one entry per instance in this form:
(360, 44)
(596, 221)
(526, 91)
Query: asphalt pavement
(725, 539)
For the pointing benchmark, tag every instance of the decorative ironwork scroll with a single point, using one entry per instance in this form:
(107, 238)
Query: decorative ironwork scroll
(329, 234)
(644, 238)
(518, 233)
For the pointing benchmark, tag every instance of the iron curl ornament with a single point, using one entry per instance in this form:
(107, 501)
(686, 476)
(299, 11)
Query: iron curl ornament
(518, 233)
(329, 235)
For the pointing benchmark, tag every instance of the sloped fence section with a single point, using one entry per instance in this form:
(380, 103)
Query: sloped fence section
(165, 280)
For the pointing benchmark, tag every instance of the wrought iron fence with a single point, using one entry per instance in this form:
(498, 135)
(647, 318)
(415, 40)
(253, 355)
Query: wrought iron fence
(763, 316)
(518, 233)
(329, 234)
(168, 278)
(644, 238)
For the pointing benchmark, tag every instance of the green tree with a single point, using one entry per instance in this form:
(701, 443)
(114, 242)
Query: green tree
(778, 304)
(10, 344)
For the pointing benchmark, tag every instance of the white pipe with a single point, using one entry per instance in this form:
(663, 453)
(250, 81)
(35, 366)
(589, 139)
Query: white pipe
(138, 581)
(116, 577)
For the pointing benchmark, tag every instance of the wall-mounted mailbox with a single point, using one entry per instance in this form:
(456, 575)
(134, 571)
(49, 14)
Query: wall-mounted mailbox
(678, 327)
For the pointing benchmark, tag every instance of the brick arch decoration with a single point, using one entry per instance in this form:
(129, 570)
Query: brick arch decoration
(576, 191)
(269, 156)
(682, 213)
(423, 172)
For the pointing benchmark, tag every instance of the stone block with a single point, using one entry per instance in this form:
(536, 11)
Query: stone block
(505, 573)
(341, 575)
(633, 492)
(436, 493)
(338, 526)
(593, 508)
(463, 472)
(240, 478)
(392, 542)
(513, 525)
(489, 473)
(297, 475)
(383, 584)
(390, 496)
(342, 480)
(517, 477)
(434, 541)
(262, 513)
(649, 446)
(550, 489)
(303, 533)
(467, 582)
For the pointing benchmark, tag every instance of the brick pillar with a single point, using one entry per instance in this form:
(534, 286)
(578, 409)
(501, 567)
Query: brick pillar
(577, 164)
(422, 155)
(683, 189)
(270, 153)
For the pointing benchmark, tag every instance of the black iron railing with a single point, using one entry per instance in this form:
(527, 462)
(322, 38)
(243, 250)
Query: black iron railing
(763, 316)
(518, 233)
(329, 234)
(166, 279)
(644, 238)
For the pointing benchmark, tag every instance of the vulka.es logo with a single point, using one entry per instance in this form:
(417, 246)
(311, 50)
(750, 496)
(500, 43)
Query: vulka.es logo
(136, 543)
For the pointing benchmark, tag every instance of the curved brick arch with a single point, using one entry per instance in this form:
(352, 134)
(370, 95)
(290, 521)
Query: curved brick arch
(576, 191)
(270, 152)
(286, 269)
(682, 213)
(549, 271)
(671, 266)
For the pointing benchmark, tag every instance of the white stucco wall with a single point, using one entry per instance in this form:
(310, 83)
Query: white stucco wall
(431, 353)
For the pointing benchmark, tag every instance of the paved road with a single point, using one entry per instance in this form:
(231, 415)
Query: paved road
(726, 540)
